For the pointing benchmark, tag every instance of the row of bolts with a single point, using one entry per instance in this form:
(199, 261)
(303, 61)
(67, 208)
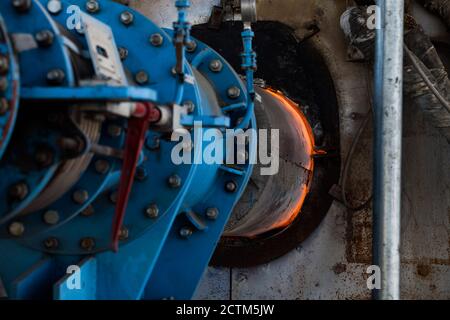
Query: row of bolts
(20, 190)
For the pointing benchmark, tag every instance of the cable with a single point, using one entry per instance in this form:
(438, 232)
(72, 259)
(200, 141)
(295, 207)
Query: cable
(348, 161)
(425, 78)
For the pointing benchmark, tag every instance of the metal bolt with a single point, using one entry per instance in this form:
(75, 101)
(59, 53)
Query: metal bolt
(152, 211)
(174, 181)
(4, 64)
(114, 130)
(189, 105)
(124, 233)
(126, 18)
(3, 84)
(102, 166)
(141, 77)
(123, 53)
(44, 38)
(230, 186)
(16, 229)
(233, 92)
(153, 143)
(80, 196)
(156, 39)
(191, 46)
(113, 196)
(21, 5)
(212, 213)
(89, 211)
(141, 174)
(54, 6)
(51, 243)
(56, 76)
(186, 232)
(44, 158)
(92, 6)
(18, 191)
(215, 66)
(51, 217)
(4, 106)
(87, 243)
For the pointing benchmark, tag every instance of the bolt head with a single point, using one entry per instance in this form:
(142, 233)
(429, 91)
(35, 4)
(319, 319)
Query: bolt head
(141, 77)
(141, 174)
(4, 64)
(215, 65)
(124, 234)
(126, 18)
(114, 130)
(51, 243)
(44, 38)
(54, 6)
(92, 6)
(191, 46)
(152, 211)
(56, 76)
(123, 53)
(233, 92)
(16, 229)
(3, 84)
(87, 243)
(174, 181)
(18, 191)
(44, 158)
(4, 106)
(80, 196)
(89, 211)
(21, 5)
(186, 232)
(156, 39)
(113, 196)
(212, 213)
(230, 186)
(102, 166)
(51, 217)
(190, 106)
(153, 143)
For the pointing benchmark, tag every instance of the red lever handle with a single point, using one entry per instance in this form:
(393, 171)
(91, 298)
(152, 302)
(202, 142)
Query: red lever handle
(145, 114)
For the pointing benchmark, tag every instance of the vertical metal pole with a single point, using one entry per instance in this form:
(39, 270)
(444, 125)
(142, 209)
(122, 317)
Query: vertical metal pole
(388, 147)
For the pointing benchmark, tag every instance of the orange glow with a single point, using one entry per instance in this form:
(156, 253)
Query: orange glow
(307, 134)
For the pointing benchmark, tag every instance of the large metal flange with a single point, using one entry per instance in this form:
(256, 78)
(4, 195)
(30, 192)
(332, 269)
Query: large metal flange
(9, 88)
(26, 27)
(99, 175)
(153, 196)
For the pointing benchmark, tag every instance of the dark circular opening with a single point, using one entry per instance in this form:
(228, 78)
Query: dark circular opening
(298, 70)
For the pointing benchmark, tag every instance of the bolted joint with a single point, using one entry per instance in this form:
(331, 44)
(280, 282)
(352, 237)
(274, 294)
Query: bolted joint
(4, 106)
(51, 243)
(44, 38)
(21, 5)
(56, 77)
(18, 191)
(174, 181)
(156, 39)
(152, 211)
(212, 213)
(186, 232)
(126, 18)
(16, 229)
(92, 6)
(233, 92)
(215, 66)
(4, 64)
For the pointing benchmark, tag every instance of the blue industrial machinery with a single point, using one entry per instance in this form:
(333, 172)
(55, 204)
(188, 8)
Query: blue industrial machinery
(90, 94)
